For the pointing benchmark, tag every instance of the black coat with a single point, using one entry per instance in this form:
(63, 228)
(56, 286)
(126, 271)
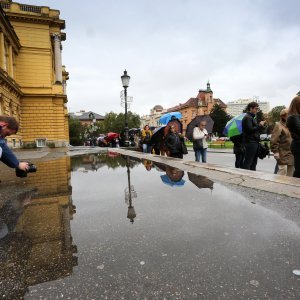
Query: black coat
(251, 129)
(293, 124)
(173, 143)
(238, 144)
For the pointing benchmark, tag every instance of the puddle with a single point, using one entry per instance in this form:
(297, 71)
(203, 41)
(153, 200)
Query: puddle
(109, 226)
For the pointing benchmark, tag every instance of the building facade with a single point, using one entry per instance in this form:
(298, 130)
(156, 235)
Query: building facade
(153, 118)
(201, 105)
(236, 107)
(33, 79)
(87, 117)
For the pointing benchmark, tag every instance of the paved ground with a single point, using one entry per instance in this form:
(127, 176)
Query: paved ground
(227, 158)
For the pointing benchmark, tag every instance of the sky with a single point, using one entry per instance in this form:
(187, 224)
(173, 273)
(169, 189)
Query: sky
(171, 48)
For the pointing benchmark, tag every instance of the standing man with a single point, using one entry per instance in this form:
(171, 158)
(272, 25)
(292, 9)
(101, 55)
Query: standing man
(9, 126)
(280, 145)
(199, 141)
(251, 131)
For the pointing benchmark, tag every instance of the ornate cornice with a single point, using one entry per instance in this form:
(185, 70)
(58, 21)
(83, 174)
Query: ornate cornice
(8, 30)
(10, 83)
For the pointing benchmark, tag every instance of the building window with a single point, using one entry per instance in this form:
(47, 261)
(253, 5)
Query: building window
(20, 143)
(40, 143)
(14, 143)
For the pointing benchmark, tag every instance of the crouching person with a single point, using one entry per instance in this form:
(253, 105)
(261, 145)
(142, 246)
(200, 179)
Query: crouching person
(9, 126)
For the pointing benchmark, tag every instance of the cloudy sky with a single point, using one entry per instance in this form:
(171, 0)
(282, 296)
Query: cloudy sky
(171, 48)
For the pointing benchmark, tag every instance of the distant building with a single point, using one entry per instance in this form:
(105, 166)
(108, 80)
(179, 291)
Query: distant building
(153, 118)
(236, 107)
(201, 105)
(87, 117)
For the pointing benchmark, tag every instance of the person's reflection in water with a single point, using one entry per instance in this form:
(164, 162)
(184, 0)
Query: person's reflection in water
(200, 181)
(173, 177)
(147, 164)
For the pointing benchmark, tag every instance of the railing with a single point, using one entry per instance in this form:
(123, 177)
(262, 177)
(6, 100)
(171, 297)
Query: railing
(30, 8)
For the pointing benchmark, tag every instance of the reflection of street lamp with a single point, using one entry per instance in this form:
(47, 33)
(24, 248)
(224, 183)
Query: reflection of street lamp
(125, 82)
(129, 194)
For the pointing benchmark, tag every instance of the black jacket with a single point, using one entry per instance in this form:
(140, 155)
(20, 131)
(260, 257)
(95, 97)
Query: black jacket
(251, 129)
(293, 124)
(238, 144)
(173, 143)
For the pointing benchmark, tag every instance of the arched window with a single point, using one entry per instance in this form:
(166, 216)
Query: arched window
(10, 109)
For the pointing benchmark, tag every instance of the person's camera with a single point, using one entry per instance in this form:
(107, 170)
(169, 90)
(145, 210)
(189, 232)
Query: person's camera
(20, 173)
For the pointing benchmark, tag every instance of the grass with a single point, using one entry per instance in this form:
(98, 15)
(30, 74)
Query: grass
(228, 145)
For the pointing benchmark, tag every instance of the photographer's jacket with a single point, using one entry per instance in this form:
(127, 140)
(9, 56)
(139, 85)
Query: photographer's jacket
(251, 130)
(7, 155)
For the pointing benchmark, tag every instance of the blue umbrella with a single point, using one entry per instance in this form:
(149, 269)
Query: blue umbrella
(167, 180)
(164, 119)
(234, 126)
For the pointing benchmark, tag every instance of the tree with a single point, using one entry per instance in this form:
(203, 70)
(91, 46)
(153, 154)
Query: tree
(274, 114)
(116, 122)
(75, 132)
(220, 118)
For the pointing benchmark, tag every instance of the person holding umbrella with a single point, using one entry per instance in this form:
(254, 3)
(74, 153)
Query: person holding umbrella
(199, 141)
(174, 143)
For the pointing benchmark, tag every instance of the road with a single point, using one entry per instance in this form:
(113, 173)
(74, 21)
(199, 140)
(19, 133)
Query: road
(228, 159)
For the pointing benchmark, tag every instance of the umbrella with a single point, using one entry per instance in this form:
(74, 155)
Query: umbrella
(167, 180)
(234, 126)
(164, 119)
(111, 135)
(195, 122)
(200, 181)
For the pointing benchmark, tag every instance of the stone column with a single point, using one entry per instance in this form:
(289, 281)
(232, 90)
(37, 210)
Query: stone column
(57, 58)
(10, 62)
(2, 51)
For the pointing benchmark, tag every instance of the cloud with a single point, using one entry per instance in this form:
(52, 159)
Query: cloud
(172, 47)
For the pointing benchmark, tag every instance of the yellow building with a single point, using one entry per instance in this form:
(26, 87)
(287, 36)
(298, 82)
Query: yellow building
(32, 78)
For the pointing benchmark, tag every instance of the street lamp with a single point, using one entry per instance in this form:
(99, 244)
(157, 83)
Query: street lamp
(92, 129)
(125, 82)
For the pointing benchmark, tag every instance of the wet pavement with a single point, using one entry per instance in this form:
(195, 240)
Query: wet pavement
(109, 227)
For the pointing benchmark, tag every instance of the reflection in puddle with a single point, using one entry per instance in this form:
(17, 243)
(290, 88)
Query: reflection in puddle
(35, 235)
(191, 237)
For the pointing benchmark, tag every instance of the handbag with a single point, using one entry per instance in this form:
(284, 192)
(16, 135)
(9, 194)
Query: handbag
(184, 148)
(198, 144)
(263, 150)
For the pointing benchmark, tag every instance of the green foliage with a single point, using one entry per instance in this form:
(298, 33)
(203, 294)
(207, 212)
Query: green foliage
(75, 132)
(274, 114)
(220, 117)
(116, 122)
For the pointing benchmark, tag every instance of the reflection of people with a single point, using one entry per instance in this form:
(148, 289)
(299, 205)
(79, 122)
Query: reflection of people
(280, 145)
(9, 126)
(251, 131)
(147, 164)
(173, 143)
(11, 211)
(293, 124)
(173, 177)
(146, 139)
(199, 141)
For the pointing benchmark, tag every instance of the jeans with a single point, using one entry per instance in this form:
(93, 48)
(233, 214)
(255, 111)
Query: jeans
(147, 148)
(239, 160)
(250, 161)
(295, 148)
(201, 153)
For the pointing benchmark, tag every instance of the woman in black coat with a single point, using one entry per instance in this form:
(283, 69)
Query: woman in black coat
(173, 143)
(293, 124)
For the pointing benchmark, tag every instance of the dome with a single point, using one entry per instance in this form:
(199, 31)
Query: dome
(158, 107)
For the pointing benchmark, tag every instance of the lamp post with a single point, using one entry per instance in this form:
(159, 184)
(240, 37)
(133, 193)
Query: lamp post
(92, 129)
(125, 82)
